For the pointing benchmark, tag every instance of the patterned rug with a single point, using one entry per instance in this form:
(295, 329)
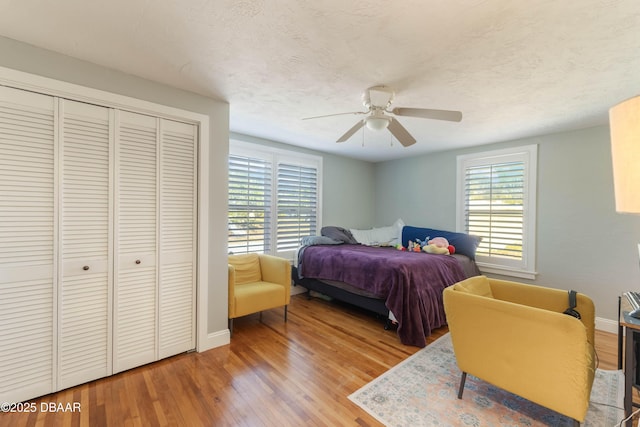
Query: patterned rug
(422, 391)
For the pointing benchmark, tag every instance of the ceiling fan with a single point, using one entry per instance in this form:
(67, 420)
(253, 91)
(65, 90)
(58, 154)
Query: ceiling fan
(377, 100)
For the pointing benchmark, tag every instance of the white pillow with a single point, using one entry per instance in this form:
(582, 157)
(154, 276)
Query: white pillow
(399, 224)
(381, 236)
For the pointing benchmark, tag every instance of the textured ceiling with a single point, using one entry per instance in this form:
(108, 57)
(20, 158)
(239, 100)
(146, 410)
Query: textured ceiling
(514, 68)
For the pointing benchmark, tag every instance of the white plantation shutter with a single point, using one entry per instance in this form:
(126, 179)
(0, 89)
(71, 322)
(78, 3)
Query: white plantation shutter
(494, 208)
(27, 208)
(274, 199)
(297, 204)
(497, 202)
(177, 284)
(135, 299)
(249, 204)
(85, 237)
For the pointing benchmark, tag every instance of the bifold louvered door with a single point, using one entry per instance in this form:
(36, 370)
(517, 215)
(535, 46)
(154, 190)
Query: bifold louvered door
(136, 287)
(155, 239)
(27, 246)
(177, 272)
(85, 242)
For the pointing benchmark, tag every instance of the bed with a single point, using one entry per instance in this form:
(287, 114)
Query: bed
(384, 279)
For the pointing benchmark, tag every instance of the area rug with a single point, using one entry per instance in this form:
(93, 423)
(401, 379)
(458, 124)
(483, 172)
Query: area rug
(422, 391)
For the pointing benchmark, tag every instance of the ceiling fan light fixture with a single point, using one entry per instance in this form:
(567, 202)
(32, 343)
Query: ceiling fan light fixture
(377, 123)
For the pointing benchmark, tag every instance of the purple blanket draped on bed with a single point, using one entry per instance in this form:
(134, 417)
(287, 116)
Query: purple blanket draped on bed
(410, 282)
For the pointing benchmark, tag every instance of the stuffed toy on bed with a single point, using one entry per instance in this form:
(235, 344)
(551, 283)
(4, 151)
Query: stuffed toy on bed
(434, 249)
(414, 246)
(438, 245)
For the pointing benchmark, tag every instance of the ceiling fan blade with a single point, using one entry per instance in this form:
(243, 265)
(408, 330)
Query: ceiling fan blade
(401, 133)
(425, 113)
(351, 131)
(337, 114)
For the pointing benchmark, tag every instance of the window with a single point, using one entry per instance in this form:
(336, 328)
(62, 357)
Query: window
(249, 204)
(297, 204)
(496, 200)
(274, 199)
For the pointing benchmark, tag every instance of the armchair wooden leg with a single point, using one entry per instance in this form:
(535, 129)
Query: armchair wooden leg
(285, 313)
(462, 381)
(230, 327)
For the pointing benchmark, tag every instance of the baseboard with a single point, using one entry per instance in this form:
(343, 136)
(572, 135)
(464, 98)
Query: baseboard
(606, 325)
(215, 339)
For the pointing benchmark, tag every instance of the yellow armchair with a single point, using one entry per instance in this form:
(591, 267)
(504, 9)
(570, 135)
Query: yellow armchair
(516, 337)
(257, 282)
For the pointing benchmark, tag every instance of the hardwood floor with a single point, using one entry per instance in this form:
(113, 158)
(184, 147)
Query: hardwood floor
(272, 374)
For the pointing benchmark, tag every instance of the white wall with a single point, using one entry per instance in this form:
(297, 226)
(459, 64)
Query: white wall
(583, 244)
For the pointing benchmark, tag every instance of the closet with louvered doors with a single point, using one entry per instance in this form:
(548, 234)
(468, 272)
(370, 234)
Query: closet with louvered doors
(97, 241)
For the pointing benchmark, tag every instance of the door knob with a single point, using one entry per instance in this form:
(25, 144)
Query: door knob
(138, 261)
(85, 268)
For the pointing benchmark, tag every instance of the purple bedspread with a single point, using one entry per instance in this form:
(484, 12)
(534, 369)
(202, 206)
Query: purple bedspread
(410, 282)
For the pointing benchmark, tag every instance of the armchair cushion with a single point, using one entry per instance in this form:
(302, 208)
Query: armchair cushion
(247, 268)
(254, 297)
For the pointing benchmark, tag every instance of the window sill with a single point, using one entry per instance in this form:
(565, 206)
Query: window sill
(506, 271)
